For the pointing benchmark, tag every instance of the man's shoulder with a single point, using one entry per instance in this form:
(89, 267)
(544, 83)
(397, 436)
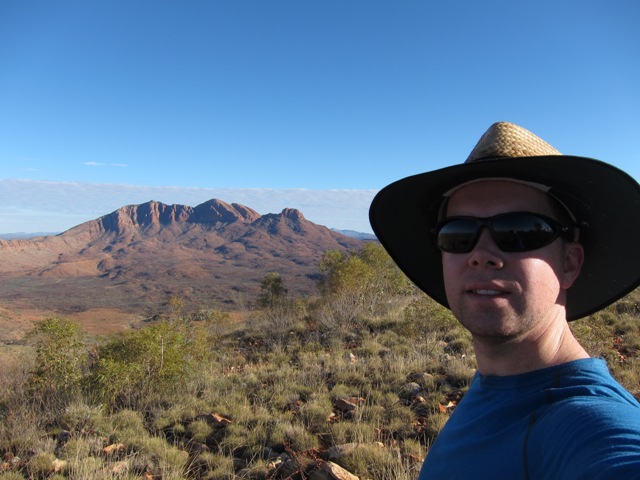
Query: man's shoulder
(586, 383)
(597, 433)
(585, 411)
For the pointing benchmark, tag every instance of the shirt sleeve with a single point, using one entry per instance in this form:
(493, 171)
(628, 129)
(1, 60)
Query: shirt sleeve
(590, 438)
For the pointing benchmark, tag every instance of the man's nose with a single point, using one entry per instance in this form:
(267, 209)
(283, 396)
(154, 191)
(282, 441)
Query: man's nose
(486, 253)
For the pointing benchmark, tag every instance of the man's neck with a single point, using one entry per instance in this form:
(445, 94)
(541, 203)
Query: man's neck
(554, 346)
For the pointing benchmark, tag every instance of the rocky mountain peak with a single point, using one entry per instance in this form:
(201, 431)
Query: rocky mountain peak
(292, 214)
(145, 215)
(217, 212)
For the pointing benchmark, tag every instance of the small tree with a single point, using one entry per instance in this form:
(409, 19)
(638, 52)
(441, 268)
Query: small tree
(361, 280)
(135, 368)
(273, 292)
(60, 357)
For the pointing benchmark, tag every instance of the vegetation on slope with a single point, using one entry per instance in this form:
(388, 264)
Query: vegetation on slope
(363, 377)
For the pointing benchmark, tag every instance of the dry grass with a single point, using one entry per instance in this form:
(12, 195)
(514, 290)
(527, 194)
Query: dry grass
(274, 394)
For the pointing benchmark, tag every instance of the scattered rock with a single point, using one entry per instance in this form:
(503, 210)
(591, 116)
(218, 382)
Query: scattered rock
(410, 390)
(120, 468)
(63, 437)
(58, 465)
(331, 471)
(113, 449)
(196, 448)
(348, 404)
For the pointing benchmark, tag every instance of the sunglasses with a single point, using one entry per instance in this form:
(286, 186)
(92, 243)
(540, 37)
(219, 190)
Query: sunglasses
(512, 232)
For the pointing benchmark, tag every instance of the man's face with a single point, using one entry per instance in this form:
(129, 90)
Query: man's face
(507, 295)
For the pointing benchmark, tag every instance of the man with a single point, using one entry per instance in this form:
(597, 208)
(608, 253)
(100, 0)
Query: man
(518, 241)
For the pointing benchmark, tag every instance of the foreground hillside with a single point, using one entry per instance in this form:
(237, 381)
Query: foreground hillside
(354, 384)
(125, 266)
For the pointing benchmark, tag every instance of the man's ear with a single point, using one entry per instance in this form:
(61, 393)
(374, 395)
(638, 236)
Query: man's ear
(573, 260)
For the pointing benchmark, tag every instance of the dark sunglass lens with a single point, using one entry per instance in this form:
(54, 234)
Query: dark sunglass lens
(457, 235)
(522, 232)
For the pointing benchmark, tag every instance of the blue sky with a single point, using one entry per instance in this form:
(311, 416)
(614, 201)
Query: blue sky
(314, 105)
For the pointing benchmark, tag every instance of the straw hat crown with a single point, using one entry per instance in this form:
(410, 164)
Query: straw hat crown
(504, 140)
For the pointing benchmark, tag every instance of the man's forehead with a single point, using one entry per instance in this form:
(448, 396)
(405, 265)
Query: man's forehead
(537, 186)
(494, 196)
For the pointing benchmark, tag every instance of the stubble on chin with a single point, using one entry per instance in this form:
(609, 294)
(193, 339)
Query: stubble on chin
(493, 326)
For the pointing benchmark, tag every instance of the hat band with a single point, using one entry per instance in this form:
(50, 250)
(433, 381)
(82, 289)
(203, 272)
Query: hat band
(538, 186)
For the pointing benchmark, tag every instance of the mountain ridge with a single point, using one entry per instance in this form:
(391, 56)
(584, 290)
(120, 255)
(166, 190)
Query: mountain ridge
(138, 256)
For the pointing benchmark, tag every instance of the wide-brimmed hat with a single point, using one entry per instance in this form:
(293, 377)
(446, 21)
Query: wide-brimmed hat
(604, 200)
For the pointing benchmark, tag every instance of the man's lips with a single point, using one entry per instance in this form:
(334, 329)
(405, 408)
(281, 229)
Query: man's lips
(486, 292)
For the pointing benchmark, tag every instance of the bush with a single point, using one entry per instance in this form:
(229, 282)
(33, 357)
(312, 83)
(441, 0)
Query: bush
(60, 358)
(142, 367)
(362, 282)
(273, 291)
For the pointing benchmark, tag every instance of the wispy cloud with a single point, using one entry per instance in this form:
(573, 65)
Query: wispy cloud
(37, 206)
(97, 164)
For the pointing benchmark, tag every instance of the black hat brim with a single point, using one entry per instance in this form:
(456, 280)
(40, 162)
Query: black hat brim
(604, 199)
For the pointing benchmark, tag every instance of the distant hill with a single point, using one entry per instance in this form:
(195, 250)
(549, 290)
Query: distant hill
(23, 235)
(135, 258)
(358, 235)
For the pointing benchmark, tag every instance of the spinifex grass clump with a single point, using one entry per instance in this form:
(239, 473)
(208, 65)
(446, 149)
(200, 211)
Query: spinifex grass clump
(614, 334)
(299, 382)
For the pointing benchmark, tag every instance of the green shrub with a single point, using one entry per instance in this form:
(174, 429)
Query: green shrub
(59, 361)
(273, 292)
(425, 316)
(142, 367)
(361, 282)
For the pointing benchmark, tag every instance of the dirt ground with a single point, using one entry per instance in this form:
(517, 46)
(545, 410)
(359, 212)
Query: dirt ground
(16, 322)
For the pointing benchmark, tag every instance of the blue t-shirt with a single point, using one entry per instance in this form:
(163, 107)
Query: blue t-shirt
(567, 422)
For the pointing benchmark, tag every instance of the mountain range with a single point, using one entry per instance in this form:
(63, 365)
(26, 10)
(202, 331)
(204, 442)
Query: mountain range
(136, 258)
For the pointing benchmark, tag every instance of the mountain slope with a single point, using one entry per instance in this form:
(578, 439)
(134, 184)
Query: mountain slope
(138, 256)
